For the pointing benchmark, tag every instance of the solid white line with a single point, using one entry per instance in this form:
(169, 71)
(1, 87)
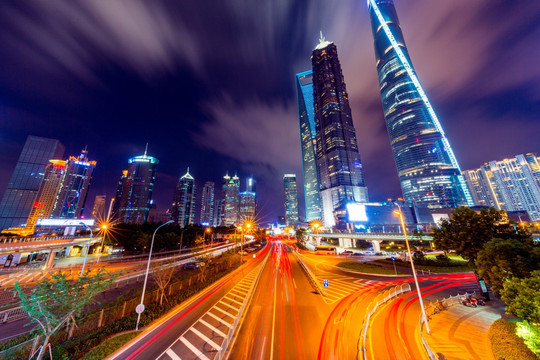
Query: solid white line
(223, 311)
(219, 332)
(172, 354)
(229, 305)
(219, 319)
(206, 339)
(193, 349)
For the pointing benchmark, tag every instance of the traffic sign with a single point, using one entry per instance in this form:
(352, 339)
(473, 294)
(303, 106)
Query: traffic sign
(325, 283)
(139, 309)
(393, 258)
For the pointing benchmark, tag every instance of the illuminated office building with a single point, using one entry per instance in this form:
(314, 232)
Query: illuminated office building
(428, 170)
(230, 202)
(120, 201)
(98, 210)
(183, 206)
(74, 190)
(25, 181)
(248, 201)
(207, 204)
(306, 117)
(137, 186)
(341, 177)
(509, 184)
(291, 199)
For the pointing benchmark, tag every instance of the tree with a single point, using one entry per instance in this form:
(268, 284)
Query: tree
(468, 231)
(503, 259)
(162, 275)
(56, 300)
(522, 297)
(301, 235)
(202, 257)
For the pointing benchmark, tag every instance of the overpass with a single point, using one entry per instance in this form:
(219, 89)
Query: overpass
(49, 244)
(347, 240)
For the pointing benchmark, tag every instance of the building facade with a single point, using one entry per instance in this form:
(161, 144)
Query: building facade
(339, 167)
(25, 181)
(230, 201)
(291, 199)
(120, 200)
(183, 206)
(98, 210)
(136, 186)
(428, 170)
(248, 201)
(207, 204)
(509, 184)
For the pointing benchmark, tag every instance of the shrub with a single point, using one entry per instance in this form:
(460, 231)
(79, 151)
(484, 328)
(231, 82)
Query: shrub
(506, 344)
(109, 346)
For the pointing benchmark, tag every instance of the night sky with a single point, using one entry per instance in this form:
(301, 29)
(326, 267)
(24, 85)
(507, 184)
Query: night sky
(210, 84)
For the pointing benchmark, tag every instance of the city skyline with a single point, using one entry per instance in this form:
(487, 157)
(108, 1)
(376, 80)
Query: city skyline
(479, 95)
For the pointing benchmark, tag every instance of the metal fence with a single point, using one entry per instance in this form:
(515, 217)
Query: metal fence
(374, 305)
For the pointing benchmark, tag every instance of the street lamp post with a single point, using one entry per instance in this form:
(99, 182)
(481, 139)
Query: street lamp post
(88, 249)
(146, 276)
(181, 237)
(401, 219)
(104, 228)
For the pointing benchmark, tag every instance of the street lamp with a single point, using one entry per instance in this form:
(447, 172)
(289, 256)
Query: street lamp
(181, 237)
(400, 215)
(316, 225)
(104, 230)
(140, 307)
(208, 230)
(87, 250)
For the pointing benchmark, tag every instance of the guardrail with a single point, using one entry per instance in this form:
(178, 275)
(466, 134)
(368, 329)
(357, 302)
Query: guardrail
(311, 278)
(374, 305)
(223, 353)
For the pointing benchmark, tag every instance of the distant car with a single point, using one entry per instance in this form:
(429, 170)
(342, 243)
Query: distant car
(242, 252)
(358, 254)
(347, 252)
(190, 266)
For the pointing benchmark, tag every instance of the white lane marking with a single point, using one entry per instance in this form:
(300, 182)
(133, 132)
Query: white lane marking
(273, 318)
(206, 339)
(217, 331)
(230, 299)
(172, 354)
(219, 319)
(193, 349)
(294, 282)
(223, 311)
(229, 305)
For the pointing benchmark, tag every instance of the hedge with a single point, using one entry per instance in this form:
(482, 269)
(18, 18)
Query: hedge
(506, 344)
(109, 346)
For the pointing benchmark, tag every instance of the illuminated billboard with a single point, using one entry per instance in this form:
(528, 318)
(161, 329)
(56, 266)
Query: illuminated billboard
(356, 212)
(65, 222)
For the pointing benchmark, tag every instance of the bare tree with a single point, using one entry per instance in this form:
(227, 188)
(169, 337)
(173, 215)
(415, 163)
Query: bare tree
(162, 274)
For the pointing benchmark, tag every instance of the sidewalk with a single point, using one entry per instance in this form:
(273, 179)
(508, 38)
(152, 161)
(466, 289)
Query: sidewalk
(461, 332)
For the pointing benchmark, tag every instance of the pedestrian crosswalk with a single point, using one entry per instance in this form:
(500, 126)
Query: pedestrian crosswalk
(205, 338)
(340, 286)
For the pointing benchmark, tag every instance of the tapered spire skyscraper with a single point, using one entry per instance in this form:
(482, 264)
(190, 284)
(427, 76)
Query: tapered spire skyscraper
(428, 170)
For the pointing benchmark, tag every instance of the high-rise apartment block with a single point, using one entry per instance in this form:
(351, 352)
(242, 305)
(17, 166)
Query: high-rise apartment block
(341, 177)
(306, 117)
(291, 199)
(428, 170)
(183, 206)
(134, 190)
(207, 204)
(25, 181)
(510, 184)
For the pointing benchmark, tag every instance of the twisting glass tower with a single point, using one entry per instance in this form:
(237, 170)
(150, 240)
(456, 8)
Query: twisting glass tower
(428, 170)
(341, 178)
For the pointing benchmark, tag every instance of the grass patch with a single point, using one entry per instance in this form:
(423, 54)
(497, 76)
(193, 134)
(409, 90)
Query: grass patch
(451, 267)
(109, 346)
(506, 344)
(366, 268)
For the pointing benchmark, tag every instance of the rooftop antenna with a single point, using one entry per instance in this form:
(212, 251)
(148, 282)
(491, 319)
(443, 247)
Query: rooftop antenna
(146, 149)
(322, 39)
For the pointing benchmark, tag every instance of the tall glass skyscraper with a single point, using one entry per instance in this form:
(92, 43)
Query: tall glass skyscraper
(183, 206)
(291, 199)
(24, 184)
(248, 201)
(207, 204)
(341, 178)
(306, 117)
(428, 170)
(137, 187)
(231, 200)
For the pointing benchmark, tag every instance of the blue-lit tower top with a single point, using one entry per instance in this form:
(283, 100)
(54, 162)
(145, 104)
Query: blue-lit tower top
(428, 170)
(306, 117)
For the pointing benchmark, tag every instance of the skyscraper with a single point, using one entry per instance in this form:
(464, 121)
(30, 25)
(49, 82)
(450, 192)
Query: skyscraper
(98, 210)
(291, 199)
(509, 184)
(248, 201)
(306, 117)
(230, 201)
(24, 184)
(183, 206)
(207, 204)
(428, 170)
(74, 190)
(120, 200)
(137, 184)
(341, 178)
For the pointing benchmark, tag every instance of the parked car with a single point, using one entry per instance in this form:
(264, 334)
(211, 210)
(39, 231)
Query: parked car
(190, 266)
